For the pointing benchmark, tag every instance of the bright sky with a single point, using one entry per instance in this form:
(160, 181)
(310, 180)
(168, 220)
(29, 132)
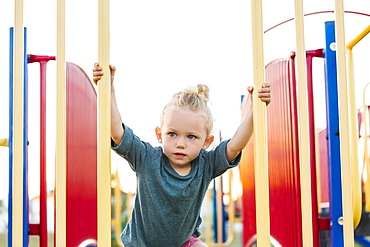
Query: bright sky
(160, 47)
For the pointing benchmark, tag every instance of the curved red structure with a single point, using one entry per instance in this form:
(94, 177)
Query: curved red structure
(81, 157)
(283, 158)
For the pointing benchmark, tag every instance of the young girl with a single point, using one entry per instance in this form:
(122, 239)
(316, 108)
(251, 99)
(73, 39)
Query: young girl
(172, 180)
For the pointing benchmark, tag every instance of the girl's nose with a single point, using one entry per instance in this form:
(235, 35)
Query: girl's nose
(180, 143)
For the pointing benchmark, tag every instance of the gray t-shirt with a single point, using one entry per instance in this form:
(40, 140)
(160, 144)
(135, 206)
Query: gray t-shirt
(167, 205)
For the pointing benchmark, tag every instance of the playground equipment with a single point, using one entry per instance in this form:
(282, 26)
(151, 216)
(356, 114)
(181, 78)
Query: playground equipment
(80, 159)
(284, 172)
(306, 224)
(18, 134)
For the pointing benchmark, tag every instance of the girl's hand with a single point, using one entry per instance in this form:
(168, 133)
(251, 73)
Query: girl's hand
(98, 73)
(264, 93)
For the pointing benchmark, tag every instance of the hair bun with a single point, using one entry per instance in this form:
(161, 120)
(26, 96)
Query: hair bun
(201, 90)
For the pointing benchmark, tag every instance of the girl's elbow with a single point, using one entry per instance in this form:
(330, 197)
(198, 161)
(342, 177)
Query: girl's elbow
(117, 136)
(232, 157)
(232, 153)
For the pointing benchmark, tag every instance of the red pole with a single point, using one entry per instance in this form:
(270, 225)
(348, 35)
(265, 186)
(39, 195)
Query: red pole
(42, 229)
(315, 217)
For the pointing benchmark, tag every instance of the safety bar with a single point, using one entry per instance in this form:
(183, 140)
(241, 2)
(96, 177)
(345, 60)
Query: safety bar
(356, 182)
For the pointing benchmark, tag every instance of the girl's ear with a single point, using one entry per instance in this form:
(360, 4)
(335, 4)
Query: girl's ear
(208, 142)
(158, 133)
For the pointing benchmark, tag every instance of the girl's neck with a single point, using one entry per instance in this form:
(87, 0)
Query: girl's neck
(182, 170)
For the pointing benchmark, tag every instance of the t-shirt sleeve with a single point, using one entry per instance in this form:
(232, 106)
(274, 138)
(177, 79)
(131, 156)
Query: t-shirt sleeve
(132, 149)
(219, 159)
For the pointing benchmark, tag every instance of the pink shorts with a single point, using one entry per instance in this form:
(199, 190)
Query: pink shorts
(192, 241)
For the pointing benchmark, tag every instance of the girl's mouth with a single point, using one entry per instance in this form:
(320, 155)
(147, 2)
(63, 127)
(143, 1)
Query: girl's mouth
(179, 155)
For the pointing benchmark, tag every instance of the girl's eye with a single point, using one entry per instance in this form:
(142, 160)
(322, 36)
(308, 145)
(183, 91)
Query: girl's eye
(191, 137)
(172, 134)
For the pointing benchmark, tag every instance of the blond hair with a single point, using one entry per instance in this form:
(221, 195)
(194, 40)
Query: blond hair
(195, 99)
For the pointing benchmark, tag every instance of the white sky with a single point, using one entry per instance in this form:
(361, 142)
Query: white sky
(159, 47)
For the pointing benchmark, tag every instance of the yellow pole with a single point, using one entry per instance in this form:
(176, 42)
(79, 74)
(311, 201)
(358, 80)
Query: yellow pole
(304, 139)
(104, 175)
(357, 190)
(344, 127)
(260, 132)
(359, 37)
(353, 135)
(17, 202)
(60, 169)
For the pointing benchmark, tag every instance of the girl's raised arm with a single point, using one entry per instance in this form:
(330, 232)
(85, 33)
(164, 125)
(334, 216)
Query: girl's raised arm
(245, 129)
(116, 120)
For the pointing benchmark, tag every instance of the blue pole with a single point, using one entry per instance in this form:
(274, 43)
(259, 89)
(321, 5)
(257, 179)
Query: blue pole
(25, 142)
(10, 143)
(10, 139)
(332, 116)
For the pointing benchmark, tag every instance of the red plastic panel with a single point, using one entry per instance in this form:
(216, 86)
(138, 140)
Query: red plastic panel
(81, 157)
(285, 208)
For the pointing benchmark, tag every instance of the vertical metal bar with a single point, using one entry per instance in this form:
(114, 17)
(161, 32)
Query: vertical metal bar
(41, 228)
(17, 214)
(313, 147)
(260, 132)
(25, 142)
(60, 169)
(344, 127)
(43, 186)
(353, 137)
(334, 149)
(304, 152)
(10, 139)
(104, 163)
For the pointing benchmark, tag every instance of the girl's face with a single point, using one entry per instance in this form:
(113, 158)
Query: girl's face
(183, 135)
